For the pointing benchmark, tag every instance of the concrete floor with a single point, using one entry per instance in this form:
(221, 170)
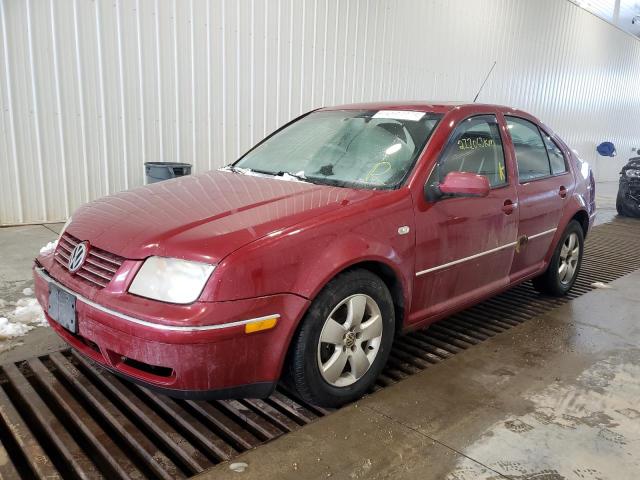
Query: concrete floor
(554, 398)
(606, 193)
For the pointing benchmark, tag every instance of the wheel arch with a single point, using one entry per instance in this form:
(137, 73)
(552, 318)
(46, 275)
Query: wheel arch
(393, 283)
(582, 217)
(389, 276)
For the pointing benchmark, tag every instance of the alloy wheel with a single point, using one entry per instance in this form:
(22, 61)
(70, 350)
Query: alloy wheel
(350, 340)
(569, 257)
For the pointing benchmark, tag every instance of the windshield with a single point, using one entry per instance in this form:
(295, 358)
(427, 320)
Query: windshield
(354, 148)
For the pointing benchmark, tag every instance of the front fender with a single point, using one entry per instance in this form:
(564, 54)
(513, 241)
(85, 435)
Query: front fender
(350, 252)
(303, 258)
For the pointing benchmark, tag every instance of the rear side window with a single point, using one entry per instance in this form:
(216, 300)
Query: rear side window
(556, 157)
(476, 147)
(531, 152)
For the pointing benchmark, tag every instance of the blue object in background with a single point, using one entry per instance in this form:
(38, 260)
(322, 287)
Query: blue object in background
(606, 149)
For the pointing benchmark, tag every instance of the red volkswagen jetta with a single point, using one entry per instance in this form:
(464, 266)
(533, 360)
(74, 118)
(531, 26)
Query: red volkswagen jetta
(304, 258)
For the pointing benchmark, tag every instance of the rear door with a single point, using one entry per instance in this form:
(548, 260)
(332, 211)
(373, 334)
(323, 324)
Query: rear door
(544, 185)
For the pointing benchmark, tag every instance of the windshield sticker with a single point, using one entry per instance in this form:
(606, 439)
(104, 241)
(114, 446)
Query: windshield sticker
(400, 115)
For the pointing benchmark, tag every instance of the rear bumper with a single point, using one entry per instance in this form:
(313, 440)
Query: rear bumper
(214, 360)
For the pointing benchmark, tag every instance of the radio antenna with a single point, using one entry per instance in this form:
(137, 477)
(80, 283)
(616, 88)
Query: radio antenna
(485, 81)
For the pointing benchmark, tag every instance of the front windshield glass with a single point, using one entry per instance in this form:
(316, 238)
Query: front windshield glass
(354, 148)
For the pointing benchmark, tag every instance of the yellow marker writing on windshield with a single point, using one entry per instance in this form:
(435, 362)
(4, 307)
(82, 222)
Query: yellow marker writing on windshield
(374, 172)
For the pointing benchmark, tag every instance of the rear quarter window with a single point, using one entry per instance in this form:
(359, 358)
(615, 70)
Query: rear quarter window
(556, 157)
(531, 151)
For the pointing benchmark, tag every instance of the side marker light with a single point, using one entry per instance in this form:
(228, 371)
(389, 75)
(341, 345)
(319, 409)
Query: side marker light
(260, 325)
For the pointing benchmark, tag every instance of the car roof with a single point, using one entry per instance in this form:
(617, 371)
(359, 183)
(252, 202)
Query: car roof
(442, 107)
(424, 106)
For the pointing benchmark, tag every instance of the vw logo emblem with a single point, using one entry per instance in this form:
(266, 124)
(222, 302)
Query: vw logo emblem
(77, 257)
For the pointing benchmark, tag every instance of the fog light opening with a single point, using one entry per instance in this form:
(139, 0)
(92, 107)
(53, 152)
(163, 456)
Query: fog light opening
(156, 370)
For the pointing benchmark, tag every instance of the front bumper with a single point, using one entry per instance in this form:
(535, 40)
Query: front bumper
(629, 196)
(213, 360)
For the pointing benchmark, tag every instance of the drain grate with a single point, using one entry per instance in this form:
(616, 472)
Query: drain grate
(60, 415)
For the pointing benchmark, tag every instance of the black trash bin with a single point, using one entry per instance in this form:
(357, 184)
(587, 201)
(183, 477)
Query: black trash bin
(158, 171)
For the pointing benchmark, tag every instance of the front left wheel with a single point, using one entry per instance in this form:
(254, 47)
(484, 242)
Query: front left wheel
(344, 340)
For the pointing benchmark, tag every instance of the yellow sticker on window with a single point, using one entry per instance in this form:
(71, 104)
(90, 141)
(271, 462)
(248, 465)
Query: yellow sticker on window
(474, 143)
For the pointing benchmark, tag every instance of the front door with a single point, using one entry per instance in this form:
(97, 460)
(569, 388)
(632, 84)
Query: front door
(544, 185)
(465, 246)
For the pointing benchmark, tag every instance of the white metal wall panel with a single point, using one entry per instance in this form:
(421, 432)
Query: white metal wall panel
(90, 90)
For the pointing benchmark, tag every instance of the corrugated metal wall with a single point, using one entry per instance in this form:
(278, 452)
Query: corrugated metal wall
(89, 90)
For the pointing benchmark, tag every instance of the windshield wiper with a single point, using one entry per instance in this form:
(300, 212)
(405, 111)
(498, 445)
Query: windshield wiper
(283, 173)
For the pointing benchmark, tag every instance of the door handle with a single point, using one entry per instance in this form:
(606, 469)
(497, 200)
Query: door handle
(562, 192)
(508, 207)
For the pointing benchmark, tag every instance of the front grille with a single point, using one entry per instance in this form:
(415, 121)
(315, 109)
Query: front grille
(99, 267)
(634, 189)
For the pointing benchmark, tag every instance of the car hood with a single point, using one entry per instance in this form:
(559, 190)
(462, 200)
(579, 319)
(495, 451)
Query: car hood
(631, 163)
(203, 217)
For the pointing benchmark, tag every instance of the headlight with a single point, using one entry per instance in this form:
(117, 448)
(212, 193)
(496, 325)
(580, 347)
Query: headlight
(171, 280)
(632, 173)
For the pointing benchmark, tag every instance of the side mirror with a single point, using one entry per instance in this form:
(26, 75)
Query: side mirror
(460, 184)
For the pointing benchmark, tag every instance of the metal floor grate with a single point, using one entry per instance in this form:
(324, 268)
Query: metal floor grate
(62, 415)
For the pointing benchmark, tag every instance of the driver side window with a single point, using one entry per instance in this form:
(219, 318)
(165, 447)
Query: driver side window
(475, 147)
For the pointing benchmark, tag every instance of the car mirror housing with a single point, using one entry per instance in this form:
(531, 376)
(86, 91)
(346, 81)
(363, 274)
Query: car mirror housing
(459, 184)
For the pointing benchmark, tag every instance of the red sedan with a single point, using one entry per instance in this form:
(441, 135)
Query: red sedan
(303, 259)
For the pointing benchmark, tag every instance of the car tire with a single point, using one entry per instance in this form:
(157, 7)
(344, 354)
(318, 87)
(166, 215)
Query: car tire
(564, 267)
(343, 341)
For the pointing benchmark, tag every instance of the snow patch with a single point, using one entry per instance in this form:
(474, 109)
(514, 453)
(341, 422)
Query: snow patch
(287, 177)
(49, 248)
(10, 329)
(27, 292)
(25, 317)
(231, 168)
(238, 467)
(28, 310)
